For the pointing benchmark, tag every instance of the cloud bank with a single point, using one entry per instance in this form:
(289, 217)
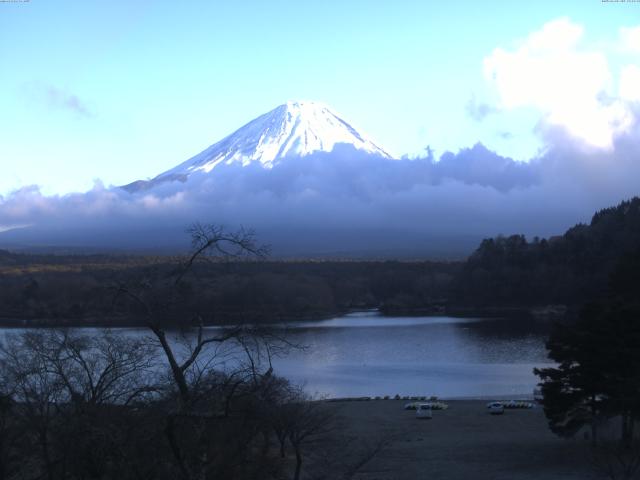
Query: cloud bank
(344, 202)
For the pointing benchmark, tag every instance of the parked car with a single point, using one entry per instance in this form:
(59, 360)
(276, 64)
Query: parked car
(424, 410)
(434, 405)
(517, 404)
(495, 408)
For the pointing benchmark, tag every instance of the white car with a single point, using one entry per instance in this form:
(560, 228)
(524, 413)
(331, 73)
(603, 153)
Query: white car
(496, 408)
(424, 410)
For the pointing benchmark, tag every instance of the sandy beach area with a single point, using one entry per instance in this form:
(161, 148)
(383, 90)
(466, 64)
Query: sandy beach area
(462, 442)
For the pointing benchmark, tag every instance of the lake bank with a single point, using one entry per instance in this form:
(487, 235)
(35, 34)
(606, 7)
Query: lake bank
(543, 315)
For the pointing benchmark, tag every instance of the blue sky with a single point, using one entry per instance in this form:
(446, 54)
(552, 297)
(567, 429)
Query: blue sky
(123, 90)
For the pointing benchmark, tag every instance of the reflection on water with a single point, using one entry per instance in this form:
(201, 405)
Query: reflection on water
(366, 354)
(375, 319)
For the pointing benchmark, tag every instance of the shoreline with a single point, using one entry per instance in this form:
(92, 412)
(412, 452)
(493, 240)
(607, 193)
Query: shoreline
(427, 398)
(454, 312)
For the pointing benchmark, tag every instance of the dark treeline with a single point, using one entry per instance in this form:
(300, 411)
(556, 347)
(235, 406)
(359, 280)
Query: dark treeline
(503, 273)
(569, 269)
(60, 291)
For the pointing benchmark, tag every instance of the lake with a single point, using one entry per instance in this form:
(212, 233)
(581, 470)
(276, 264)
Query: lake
(367, 354)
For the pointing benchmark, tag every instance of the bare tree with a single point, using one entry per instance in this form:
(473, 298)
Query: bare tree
(68, 387)
(97, 405)
(91, 402)
(94, 369)
(304, 421)
(39, 394)
(157, 298)
(221, 375)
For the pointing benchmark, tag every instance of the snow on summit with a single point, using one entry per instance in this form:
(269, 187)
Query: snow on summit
(295, 128)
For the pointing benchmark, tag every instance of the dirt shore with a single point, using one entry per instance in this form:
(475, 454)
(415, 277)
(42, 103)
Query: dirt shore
(462, 442)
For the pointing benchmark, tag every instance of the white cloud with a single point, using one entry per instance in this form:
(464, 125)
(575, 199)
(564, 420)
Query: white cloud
(630, 38)
(571, 86)
(559, 34)
(630, 83)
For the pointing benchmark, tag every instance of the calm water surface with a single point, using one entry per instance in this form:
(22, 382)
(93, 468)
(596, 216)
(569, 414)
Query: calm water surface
(366, 354)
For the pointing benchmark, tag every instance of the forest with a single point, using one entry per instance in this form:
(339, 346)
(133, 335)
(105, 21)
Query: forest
(504, 274)
(568, 269)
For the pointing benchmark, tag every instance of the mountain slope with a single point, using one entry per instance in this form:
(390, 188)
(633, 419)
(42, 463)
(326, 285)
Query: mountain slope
(292, 129)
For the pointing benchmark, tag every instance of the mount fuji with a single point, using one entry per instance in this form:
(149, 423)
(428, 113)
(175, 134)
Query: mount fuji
(295, 129)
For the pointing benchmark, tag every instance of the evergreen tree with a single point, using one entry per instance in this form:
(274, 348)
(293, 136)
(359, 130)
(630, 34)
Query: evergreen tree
(573, 393)
(598, 357)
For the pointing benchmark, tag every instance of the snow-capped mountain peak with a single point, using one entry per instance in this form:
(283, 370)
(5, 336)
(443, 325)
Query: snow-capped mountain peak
(292, 129)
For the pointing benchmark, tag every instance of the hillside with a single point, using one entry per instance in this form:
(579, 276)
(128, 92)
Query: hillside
(567, 269)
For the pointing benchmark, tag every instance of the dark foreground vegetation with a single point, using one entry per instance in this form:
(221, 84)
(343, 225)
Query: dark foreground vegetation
(188, 404)
(595, 387)
(75, 406)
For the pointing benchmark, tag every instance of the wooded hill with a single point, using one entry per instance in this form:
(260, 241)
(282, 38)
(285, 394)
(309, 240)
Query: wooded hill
(568, 269)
